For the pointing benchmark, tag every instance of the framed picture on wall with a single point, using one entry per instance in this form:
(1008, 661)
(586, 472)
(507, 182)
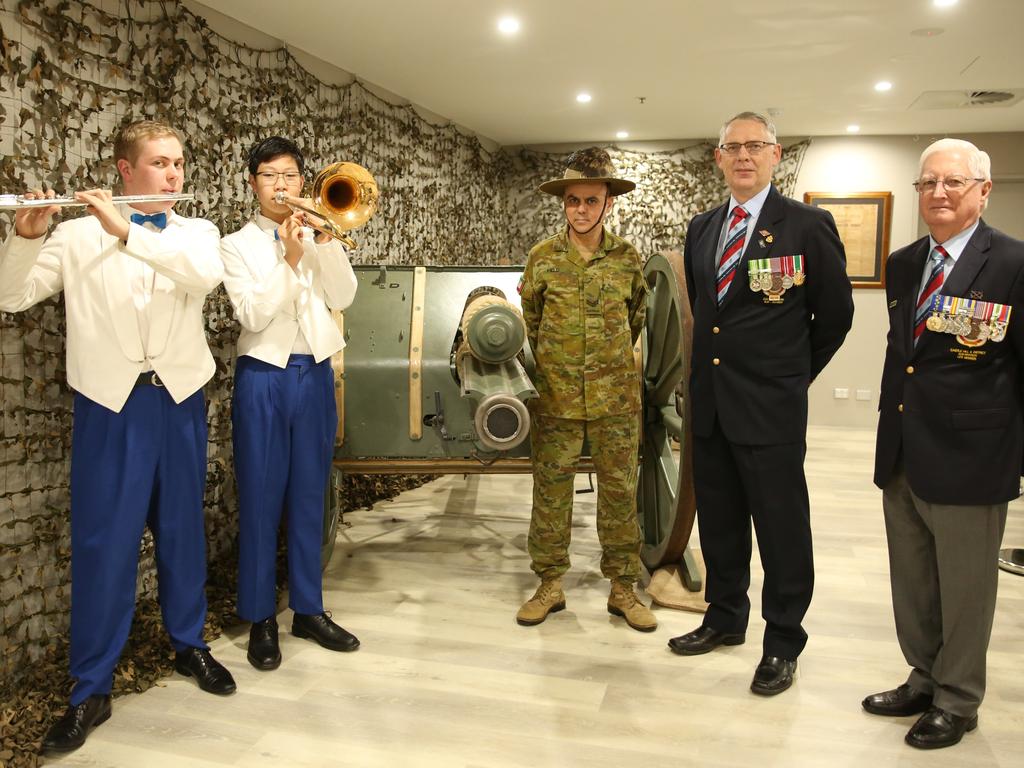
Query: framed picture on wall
(863, 219)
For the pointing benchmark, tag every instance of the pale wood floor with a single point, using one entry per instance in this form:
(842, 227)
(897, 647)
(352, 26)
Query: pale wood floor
(430, 583)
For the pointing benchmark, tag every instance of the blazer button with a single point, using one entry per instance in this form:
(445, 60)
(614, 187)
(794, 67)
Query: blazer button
(716, 361)
(716, 329)
(900, 408)
(910, 369)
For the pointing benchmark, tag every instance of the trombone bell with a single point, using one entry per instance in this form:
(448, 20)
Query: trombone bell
(344, 196)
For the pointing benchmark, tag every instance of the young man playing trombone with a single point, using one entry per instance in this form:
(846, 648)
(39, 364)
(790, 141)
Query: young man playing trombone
(134, 282)
(283, 282)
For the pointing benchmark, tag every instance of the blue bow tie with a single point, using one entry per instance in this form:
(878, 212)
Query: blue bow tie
(158, 220)
(276, 236)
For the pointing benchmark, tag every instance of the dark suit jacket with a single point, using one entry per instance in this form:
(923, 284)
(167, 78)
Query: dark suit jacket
(957, 418)
(768, 353)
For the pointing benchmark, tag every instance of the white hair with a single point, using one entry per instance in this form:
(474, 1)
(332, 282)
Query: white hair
(756, 117)
(978, 162)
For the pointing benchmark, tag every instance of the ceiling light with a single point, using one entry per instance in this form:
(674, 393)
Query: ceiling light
(622, 135)
(853, 129)
(883, 85)
(508, 25)
(583, 98)
(944, 3)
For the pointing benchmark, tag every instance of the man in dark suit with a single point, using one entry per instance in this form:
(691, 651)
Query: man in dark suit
(950, 440)
(771, 304)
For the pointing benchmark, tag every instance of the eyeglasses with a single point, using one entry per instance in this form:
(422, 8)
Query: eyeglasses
(271, 177)
(752, 147)
(950, 184)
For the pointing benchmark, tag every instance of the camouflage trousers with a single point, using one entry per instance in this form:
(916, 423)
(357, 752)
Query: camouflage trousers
(556, 446)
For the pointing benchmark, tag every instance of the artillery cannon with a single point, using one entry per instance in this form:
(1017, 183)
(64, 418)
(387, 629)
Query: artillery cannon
(435, 379)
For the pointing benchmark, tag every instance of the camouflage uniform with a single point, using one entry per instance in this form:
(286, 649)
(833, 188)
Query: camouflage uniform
(582, 319)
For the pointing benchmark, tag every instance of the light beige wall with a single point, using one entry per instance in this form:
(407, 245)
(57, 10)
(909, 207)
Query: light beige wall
(878, 164)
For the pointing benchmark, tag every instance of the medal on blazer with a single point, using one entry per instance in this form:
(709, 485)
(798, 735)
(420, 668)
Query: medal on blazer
(774, 276)
(972, 321)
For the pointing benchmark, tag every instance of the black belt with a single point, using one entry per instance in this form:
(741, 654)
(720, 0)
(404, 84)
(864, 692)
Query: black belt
(148, 379)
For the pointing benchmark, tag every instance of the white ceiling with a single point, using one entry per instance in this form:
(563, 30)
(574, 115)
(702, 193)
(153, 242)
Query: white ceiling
(696, 62)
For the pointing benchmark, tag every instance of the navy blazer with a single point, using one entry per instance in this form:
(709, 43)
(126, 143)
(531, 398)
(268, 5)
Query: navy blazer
(767, 353)
(952, 411)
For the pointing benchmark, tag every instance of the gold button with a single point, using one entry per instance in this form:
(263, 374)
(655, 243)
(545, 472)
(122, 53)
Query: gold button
(900, 408)
(716, 329)
(910, 369)
(716, 361)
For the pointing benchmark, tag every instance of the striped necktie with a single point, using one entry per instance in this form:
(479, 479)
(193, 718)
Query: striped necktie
(734, 240)
(931, 289)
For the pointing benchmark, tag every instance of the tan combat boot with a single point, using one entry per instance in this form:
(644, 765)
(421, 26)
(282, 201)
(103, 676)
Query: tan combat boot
(548, 598)
(623, 602)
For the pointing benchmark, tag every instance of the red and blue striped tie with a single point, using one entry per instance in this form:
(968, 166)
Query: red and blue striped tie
(931, 288)
(734, 240)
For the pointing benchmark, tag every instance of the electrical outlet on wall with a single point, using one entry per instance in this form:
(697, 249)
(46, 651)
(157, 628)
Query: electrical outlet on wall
(863, 394)
(841, 393)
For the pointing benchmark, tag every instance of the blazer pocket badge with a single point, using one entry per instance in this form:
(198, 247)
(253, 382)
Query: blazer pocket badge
(973, 322)
(774, 276)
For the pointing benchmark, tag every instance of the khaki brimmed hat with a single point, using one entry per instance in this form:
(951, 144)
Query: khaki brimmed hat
(586, 165)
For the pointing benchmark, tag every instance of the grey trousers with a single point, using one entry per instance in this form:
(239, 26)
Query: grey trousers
(944, 575)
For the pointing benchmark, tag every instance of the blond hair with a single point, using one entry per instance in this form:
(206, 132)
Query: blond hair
(130, 138)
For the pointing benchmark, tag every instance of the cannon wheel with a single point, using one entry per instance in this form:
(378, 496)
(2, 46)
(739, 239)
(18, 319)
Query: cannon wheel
(665, 502)
(332, 512)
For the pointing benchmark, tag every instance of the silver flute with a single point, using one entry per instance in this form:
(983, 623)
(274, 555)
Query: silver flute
(17, 202)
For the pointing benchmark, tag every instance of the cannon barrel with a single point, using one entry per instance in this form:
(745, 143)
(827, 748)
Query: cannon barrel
(484, 352)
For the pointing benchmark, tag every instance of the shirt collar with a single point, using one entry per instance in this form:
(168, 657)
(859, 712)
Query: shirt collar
(955, 245)
(754, 205)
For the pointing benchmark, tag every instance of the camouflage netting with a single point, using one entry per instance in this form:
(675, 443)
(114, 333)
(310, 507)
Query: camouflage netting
(71, 73)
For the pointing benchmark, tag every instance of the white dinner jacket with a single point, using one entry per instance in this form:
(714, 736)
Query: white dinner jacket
(94, 269)
(272, 302)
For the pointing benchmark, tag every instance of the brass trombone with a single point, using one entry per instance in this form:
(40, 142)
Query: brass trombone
(344, 196)
(17, 202)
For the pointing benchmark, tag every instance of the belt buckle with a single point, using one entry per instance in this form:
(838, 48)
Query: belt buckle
(155, 380)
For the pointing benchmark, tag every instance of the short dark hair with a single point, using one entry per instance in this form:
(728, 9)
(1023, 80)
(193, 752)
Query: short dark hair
(275, 146)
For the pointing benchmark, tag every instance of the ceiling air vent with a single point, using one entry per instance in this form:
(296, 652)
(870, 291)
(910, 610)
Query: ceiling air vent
(968, 99)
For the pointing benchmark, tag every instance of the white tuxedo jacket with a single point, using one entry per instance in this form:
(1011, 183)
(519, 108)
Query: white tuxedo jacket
(104, 343)
(272, 302)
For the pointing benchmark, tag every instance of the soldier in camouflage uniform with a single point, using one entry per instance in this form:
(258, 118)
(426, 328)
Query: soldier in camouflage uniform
(583, 298)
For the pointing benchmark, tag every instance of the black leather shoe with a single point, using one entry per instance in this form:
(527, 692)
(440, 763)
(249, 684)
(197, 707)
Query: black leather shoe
(702, 640)
(899, 702)
(70, 731)
(938, 728)
(324, 631)
(264, 651)
(773, 675)
(211, 675)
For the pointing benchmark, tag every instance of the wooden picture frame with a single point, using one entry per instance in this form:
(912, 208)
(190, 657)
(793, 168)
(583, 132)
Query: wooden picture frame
(864, 220)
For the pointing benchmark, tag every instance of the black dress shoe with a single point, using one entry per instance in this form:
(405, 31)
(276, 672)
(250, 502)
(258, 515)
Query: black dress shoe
(898, 702)
(211, 675)
(938, 728)
(324, 631)
(264, 651)
(773, 675)
(702, 640)
(70, 731)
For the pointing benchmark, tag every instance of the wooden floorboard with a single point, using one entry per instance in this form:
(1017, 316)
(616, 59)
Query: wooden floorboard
(431, 581)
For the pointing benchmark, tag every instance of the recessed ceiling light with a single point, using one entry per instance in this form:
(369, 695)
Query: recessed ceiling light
(583, 98)
(883, 85)
(944, 3)
(853, 129)
(508, 25)
(622, 135)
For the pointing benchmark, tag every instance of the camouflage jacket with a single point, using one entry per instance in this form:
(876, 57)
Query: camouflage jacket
(582, 319)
